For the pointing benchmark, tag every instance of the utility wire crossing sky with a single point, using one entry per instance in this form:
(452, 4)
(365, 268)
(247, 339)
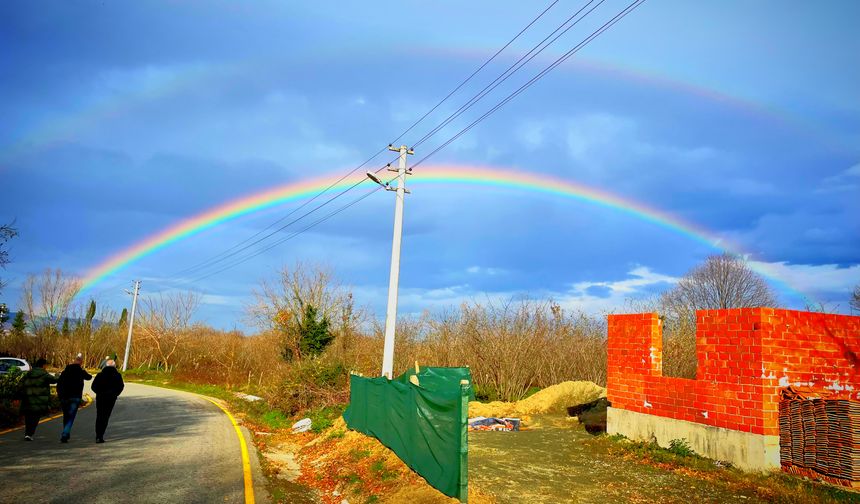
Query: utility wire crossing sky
(204, 146)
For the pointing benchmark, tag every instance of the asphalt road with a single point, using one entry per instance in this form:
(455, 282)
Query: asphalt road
(161, 446)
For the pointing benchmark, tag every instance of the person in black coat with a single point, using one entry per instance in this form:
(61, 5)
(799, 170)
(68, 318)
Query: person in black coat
(70, 390)
(107, 386)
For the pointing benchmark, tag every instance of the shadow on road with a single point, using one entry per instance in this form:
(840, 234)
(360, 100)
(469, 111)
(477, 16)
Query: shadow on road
(162, 446)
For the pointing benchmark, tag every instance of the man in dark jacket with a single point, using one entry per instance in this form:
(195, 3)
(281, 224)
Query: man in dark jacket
(107, 386)
(36, 387)
(70, 389)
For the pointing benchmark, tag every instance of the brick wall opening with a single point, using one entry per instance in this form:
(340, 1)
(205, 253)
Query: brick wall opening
(679, 348)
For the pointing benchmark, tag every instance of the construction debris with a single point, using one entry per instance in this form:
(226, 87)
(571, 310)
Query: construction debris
(302, 425)
(494, 424)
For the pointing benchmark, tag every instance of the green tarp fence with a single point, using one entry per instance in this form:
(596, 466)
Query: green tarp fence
(424, 425)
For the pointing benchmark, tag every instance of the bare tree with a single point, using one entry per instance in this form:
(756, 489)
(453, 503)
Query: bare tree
(280, 306)
(165, 323)
(723, 281)
(47, 298)
(855, 299)
(7, 232)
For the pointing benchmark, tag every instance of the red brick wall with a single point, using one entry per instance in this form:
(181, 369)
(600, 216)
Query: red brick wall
(745, 356)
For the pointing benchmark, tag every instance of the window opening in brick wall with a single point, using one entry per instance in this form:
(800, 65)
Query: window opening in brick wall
(679, 347)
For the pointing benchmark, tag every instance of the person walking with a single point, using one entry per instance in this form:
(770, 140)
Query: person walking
(70, 389)
(36, 386)
(107, 386)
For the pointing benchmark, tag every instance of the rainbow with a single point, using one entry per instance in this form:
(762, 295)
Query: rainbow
(59, 128)
(446, 174)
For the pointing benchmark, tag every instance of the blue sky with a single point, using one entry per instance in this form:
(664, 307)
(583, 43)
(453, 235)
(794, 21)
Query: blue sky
(744, 118)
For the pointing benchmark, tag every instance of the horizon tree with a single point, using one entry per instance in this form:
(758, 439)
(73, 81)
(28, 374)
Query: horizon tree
(19, 325)
(854, 303)
(7, 232)
(721, 281)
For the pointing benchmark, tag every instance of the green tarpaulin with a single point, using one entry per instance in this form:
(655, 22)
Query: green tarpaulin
(424, 425)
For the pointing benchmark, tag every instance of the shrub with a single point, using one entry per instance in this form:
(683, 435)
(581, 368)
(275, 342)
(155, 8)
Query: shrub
(681, 447)
(323, 418)
(10, 383)
(311, 383)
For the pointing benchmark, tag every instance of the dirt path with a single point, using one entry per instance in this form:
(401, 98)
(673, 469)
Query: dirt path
(554, 465)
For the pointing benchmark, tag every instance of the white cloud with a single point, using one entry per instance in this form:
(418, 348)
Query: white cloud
(579, 297)
(479, 270)
(642, 276)
(847, 180)
(598, 140)
(531, 134)
(617, 294)
(218, 300)
(812, 278)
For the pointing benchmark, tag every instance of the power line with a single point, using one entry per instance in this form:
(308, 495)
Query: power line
(624, 12)
(297, 219)
(231, 251)
(467, 79)
(511, 70)
(596, 33)
(286, 239)
(226, 253)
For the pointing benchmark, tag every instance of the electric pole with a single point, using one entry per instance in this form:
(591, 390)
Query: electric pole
(394, 278)
(130, 324)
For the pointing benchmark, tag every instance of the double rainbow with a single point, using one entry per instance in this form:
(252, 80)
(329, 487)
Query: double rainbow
(446, 174)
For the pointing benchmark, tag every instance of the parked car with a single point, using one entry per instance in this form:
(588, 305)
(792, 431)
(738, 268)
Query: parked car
(7, 363)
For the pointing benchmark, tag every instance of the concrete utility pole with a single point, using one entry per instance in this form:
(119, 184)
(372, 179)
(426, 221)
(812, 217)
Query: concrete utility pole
(130, 324)
(394, 278)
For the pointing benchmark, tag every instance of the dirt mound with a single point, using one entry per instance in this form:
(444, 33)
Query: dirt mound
(427, 495)
(345, 464)
(551, 400)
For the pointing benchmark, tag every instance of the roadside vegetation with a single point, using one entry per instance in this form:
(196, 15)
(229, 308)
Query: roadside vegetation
(310, 335)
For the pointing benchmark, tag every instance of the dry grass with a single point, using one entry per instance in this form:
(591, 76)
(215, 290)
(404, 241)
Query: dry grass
(510, 348)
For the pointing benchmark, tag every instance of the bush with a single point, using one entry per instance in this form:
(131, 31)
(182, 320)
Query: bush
(9, 387)
(323, 418)
(10, 383)
(681, 447)
(311, 383)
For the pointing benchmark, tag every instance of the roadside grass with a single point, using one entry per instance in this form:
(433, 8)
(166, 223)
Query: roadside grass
(772, 486)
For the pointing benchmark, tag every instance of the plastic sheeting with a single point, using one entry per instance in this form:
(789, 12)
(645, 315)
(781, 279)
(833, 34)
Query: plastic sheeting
(424, 425)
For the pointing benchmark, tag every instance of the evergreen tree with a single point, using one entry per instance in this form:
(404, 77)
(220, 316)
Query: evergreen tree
(19, 324)
(65, 326)
(314, 334)
(91, 312)
(123, 318)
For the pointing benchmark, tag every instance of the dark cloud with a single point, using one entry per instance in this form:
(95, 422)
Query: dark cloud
(127, 119)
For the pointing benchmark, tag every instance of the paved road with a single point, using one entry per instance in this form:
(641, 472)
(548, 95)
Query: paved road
(161, 446)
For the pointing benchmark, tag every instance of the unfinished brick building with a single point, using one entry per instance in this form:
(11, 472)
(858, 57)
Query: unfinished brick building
(746, 358)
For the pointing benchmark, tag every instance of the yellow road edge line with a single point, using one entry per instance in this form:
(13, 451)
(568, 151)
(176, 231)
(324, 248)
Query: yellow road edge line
(46, 419)
(246, 461)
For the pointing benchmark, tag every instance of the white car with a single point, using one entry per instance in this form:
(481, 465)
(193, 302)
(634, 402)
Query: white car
(7, 363)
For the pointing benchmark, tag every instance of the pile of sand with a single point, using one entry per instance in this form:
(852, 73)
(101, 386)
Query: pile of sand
(551, 400)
